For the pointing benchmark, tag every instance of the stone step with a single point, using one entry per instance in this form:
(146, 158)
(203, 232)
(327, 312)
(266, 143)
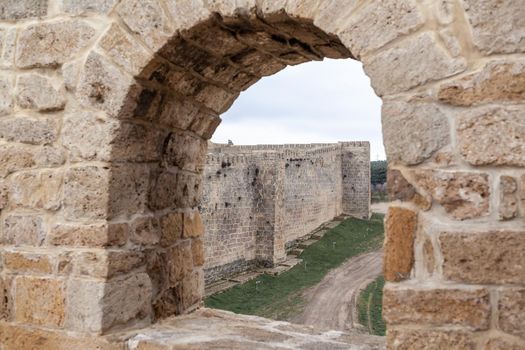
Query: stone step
(291, 261)
(218, 287)
(307, 243)
(295, 252)
(276, 271)
(244, 277)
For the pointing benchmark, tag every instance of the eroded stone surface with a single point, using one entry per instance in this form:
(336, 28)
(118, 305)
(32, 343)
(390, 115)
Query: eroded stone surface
(21, 9)
(86, 192)
(36, 190)
(37, 92)
(78, 7)
(23, 229)
(484, 258)
(508, 198)
(416, 61)
(511, 307)
(51, 44)
(437, 307)
(400, 231)
(503, 344)
(430, 340)
(29, 130)
(497, 27)
(400, 119)
(498, 81)
(463, 195)
(492, 136)
(6, 99)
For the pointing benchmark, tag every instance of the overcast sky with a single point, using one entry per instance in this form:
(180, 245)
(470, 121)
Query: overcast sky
(325, 101)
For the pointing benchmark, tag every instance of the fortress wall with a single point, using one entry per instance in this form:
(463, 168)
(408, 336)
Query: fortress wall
(259, 200)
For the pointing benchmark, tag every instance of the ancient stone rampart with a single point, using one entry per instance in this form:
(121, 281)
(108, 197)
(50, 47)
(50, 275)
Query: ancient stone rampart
(258, 200)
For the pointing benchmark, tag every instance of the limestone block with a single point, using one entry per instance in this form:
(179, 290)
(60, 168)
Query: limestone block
(413, 132)
(180, 262)
(7, 57)
(128, 189)
(51, 44)
(20, 9)
(136, 142)
(81, 7)
(22, 230)
(451, 41)
(124, 50)
(187, 13)
(147, 19)
(4, 194)
(103, 86)
(29, 130)
(37, 92)
(401, 225)
(39, 301)
(205, 125)
(20, 337)
(36, 189)
(170, 228)
(503, 344)
(508, 205)
(522, 193)
(412, 62)
(185, 151)
(88, 136)
(188, 189)
(6, 99)
(497, 27)
(400, 189)
(88, 235)
(145, 231)
(163, 192)
(105, 264)
(5, 300)
(86, 193)
(216, 98)
(463, 195)
(71, 74)
(430, 339)
(367, 30)
(492, 136)
(20, 261)
(497, 81)
(483, 258)
(197, 250)
(469, 308)
(511, 307)
(95, 306)
(15, 157)
(193, 226)
(192, 289)
(330, 13)
(215, 39)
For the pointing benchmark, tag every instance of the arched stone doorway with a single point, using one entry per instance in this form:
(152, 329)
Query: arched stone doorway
(108, 106)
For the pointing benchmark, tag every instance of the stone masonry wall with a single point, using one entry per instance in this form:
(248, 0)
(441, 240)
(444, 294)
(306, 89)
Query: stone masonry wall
(106, 107)
(310, 180)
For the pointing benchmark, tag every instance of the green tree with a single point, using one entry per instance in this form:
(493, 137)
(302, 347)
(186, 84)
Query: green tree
(378, 170)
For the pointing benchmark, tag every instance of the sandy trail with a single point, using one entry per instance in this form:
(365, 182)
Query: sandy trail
(380, 208)
(330, 304)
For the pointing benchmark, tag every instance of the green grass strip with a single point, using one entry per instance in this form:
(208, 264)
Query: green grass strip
(370, 307)
(279, 297)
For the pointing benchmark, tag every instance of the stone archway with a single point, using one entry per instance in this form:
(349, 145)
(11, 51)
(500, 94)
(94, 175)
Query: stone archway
(108, 105)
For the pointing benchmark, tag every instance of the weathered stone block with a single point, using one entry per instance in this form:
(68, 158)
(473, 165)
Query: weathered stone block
(39, 301)
(192, 289)
(468, 308)
(15, 157)
(7, 58)
(492, 136)
(88, 235)
(124, 50)
(511, 308)
(36, 189)
(401, 225)
(29, 130)
(6, 98)
(95, 306)
(216, 98)
(180, 261)
(5, 300)
(12, 10)
(498, 81)
(497, 27)
(170, 228)
(145, 231)
(105, 264)
(147, 19)
(508, 205)
(193, 226)
(88, 136)
(197, 250)
(104, 86)
(413, 132)
(37, 92)
(51, 44)
(503, 344)
(483, 258)
(205, 125)
(163, 192)
(22, 230)
(463, 195)
(136, 143)
(412, 62)
(366, 30)
(28, 262)
(185, 151)
(400, 189)
(430, 340)
(86, 193)
(429, 258)
(128, 189)
(80, 7)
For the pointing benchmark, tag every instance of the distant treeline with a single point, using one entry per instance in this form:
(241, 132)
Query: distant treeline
(378, 172)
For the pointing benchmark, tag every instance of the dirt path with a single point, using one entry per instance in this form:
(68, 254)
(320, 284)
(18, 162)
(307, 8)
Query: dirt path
(330, 304)
(380, 208)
